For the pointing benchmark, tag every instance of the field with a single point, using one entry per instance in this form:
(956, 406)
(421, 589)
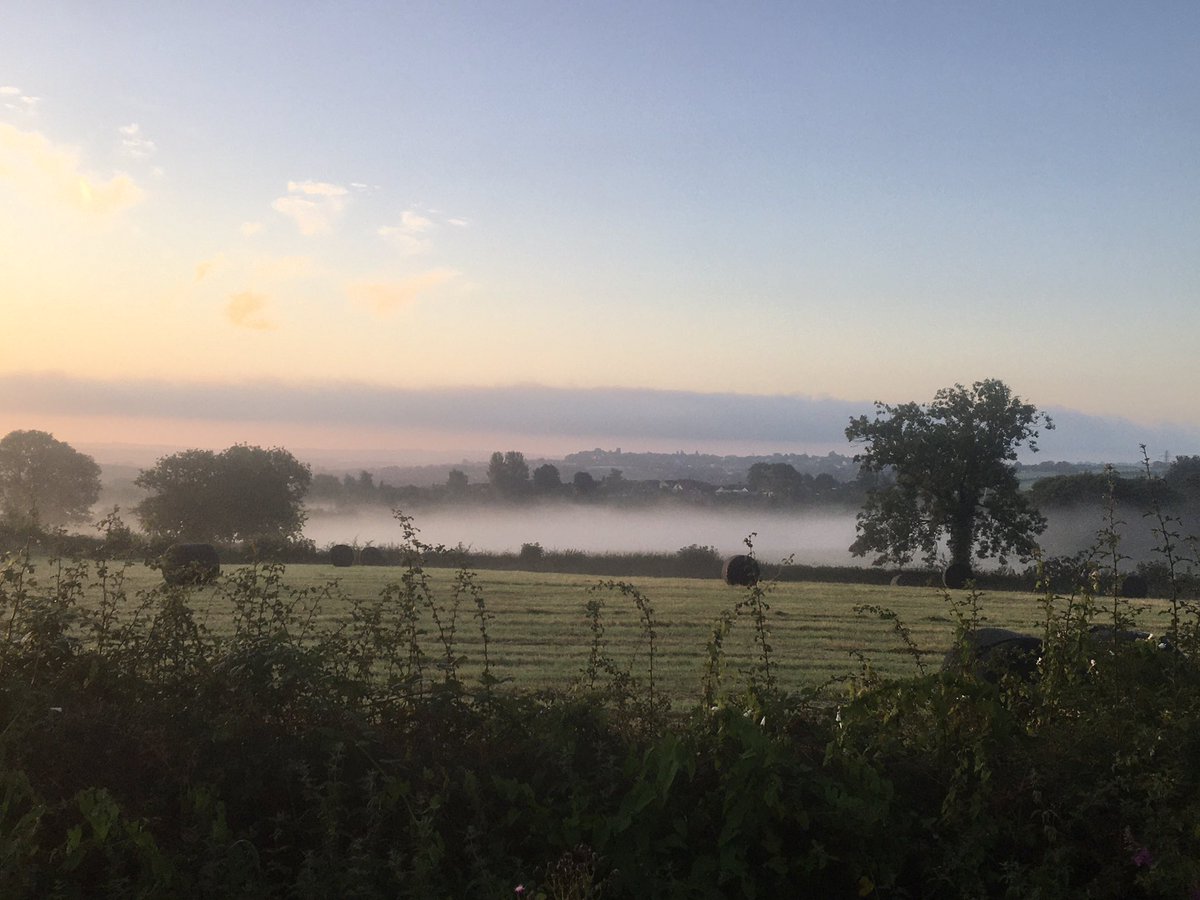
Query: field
(540, 636)
(320, 751)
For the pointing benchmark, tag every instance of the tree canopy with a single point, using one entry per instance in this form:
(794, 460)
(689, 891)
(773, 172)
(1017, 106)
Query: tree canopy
(44, 481)
(508, 474)
(240, 493)
(952, 477)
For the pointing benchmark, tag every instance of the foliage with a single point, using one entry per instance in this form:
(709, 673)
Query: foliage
(584, 484)
(546, 480)
(145, 753)
(954, 476)
(508, 474)
(45, 482)
(242, 493)
(1092, 489)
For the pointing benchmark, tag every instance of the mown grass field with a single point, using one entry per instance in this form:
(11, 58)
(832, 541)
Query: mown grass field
(539, 635)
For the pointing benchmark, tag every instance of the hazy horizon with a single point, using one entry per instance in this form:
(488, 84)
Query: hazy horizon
(319, 423)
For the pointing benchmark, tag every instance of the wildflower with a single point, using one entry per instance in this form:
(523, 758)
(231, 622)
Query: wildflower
(865, 886)
(519, 890)
(1142, 857)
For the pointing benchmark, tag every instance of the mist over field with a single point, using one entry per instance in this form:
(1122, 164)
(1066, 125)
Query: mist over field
(817, 538)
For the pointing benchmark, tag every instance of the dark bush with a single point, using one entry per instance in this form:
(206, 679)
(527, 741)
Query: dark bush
(190, 564)
(992, 653)
(371, 556)
(1134, 587)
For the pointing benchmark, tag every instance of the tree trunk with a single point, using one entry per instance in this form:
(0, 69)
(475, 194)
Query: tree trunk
(962, 533)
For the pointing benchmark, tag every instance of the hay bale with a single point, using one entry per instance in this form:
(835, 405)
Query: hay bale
(956, 576)
(190, 564)
(1134, 587)
(740, 571)
(341, 555)
(370, 556)
(992, 653)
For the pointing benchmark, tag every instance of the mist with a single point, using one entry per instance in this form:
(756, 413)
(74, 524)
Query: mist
(816, 538)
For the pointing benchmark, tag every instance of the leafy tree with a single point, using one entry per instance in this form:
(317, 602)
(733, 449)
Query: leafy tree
(1183, 476)
(44, 481)
(779, 479)
(546, 480)
(954, 476)
(241, 493)
(584, 483)
(456, 482)
(508, 473)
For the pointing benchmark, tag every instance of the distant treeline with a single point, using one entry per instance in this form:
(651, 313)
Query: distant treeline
(782, 480)
(1178, 486)
(510, 479)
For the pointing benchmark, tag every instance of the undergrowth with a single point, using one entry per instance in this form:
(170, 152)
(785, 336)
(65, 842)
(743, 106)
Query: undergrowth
(143, 754)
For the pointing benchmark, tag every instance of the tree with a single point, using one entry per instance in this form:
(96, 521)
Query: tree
(241, 493)
(1183, 476)
(779, 479)
(45, 482)
(584, 483)
(456, 483)
(508, 473)
(954, 476)
(547, 480)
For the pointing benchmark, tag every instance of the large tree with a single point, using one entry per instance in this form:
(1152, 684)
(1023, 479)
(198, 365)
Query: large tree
(953, 477)
(508, 474)
(241, 493)
(45, 482)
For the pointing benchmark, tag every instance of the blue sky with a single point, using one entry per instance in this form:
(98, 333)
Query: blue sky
(819, 202)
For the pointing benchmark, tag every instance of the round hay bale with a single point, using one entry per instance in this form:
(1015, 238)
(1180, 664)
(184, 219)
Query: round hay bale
(1134, 587)
(370, 556)
(190, 564)
(341, 555)
(956, 576)
(740, 571)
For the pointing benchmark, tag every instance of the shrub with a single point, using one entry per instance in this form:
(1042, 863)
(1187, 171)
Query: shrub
(190, 564)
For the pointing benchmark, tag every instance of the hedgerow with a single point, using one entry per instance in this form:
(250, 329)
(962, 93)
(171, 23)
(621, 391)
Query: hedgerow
(142, 755)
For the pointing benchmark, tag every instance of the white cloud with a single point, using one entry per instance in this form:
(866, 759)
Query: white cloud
(410, 236)
(415, 222)
(15, 99)
(250, 228)
(458, 223)
(386, 297)
(245, 311)
(313, 205)
(134, 144)
(33, 164)
(316, 188)
(409, 244)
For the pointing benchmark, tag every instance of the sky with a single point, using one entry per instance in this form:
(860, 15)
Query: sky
(444, 228)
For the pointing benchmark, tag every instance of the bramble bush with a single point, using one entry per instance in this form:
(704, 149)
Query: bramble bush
(144, 755)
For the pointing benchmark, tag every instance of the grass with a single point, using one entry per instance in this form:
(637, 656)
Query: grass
(540, 637)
